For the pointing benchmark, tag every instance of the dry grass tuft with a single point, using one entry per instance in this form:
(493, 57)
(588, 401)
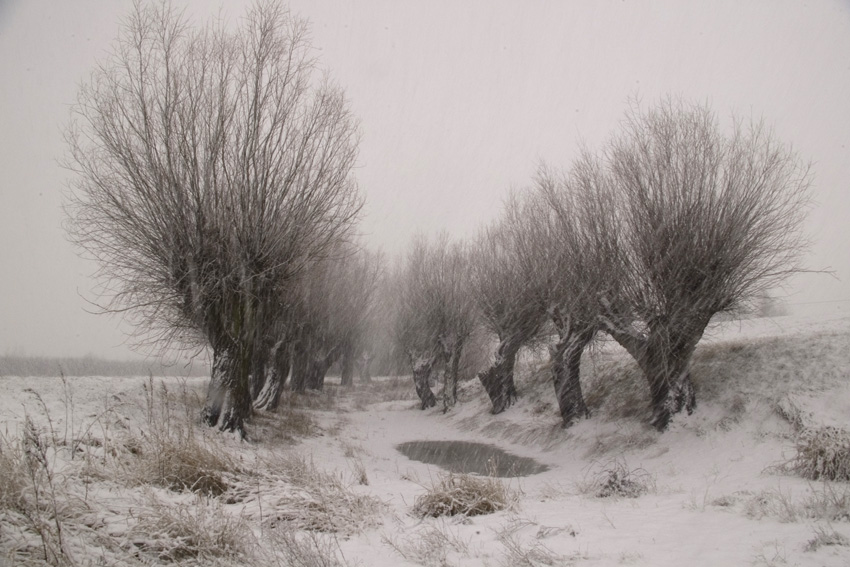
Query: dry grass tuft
(169, 451)
(285, 426)
(184, 464)
(456, 494)
(13, 474)
(168, 531)
(34, 509)
(823, 454)
(826, 537)
(616, 479)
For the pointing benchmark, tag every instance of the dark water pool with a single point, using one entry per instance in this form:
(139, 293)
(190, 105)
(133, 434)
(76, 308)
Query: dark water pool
(468, 457)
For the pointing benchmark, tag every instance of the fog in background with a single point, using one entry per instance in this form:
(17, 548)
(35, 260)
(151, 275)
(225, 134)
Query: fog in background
(458, 102)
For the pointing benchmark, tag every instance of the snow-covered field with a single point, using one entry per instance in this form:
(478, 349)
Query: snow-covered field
(99, 468)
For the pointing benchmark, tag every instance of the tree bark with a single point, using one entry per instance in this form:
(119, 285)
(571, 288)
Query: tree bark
(422, 367)
(315, 375)
(566, 375)
(666, 368)
(237, 406)
(665, 364)
(452, 356)
(498, 380)
(318, 368)
(300, 365)
(346, 376)
(216, 390)
(258, 371)
(269, 398)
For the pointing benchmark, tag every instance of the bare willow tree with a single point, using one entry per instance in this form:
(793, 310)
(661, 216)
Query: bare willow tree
(411, 322)
(435, 314)
(212, 165)
(566, 238)
(510, 299)
(708, 221)
(334, 304)
(454, 315)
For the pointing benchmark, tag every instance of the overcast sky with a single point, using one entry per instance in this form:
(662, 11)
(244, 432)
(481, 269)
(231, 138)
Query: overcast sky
(458, 102)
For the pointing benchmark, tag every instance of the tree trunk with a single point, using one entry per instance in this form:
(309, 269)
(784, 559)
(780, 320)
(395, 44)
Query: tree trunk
(346, 377)
(217, 389)
(315, 375)
(269, 398)
(498, 380)
(300, 366)
(237, 406)
(258, 371)
(318, 368)
(452, 363)
(422, 367)
(665, 365)
(670, 387)
(566, 375)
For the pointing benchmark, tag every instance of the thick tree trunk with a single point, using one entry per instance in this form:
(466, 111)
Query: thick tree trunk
(452, 362)
(422, 367)
(237, 405)
(566, 375)
(670, 386)
(300, 366)
(315, 375)
(258, 371)
(346, 376)
(217, 389)
(498, 380)
(318, 368)
(665, 365)
(228, 403)
(269, 398)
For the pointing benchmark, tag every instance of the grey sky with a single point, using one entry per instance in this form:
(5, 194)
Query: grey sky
(458, 101)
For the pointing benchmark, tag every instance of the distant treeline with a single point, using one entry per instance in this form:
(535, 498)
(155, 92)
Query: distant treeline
(93, 366)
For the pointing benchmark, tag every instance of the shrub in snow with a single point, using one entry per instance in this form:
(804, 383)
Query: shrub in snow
(616, 479)
(823, 454)
(464, 494)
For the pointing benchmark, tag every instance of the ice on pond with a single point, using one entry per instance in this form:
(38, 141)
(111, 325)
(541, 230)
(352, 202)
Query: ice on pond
(469, 457)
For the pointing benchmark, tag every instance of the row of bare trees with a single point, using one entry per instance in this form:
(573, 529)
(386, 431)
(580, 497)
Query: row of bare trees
(670, 223)
(213, 187)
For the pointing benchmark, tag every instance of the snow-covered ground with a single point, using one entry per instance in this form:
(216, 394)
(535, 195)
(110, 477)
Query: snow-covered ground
(716, 490)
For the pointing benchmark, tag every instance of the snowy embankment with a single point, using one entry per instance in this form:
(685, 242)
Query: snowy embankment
(322, 483)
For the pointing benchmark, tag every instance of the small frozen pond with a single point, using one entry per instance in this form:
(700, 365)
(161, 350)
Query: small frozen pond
(468, 457)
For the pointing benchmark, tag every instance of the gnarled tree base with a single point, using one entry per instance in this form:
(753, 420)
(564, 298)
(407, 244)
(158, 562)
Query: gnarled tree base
(421, 378)
(498, 381)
